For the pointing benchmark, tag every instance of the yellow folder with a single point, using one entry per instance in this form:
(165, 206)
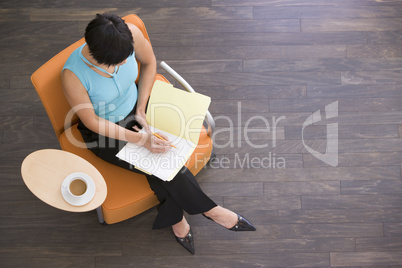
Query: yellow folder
(176, 111)
(177, 114)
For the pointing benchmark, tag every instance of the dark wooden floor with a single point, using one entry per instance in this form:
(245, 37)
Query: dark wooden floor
(261, 61)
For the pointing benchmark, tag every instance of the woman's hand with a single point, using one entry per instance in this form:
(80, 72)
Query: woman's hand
(140, 117)
(154, 144)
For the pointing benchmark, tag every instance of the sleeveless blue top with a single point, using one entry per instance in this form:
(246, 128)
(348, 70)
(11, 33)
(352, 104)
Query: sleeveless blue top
(112, 98)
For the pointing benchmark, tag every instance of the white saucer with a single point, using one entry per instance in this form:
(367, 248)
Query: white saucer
(78, 200)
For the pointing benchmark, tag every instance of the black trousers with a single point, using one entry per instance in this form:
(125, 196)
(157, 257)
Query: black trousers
(181, 193)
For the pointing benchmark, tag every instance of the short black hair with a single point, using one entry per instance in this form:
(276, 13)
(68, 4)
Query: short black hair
(109, 39)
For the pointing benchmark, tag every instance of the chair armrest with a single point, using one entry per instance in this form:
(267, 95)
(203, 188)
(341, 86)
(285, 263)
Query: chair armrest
(208, 117)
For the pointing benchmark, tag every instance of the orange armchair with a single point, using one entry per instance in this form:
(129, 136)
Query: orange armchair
(128, 193)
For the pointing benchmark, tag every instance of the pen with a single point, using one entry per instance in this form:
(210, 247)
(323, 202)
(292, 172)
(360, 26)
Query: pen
(159, 137)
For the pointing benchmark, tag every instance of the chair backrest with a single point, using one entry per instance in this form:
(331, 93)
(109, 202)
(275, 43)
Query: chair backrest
(48, 85)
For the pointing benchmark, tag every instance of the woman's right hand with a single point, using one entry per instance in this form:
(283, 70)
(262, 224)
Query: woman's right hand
(154, 144)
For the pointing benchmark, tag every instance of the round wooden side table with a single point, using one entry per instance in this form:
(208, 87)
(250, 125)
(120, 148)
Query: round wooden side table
(43, 172)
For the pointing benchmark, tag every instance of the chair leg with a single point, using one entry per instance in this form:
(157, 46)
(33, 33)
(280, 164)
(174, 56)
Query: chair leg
(100, 215)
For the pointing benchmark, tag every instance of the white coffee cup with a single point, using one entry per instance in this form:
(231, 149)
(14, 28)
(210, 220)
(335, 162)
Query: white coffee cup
(78, 189)
(77, 186)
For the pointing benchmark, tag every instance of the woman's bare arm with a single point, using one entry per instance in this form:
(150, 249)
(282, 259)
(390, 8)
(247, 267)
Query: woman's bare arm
(145, 55)
(78, 98)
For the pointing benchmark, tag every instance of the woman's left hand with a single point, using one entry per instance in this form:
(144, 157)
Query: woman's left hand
(140, 117)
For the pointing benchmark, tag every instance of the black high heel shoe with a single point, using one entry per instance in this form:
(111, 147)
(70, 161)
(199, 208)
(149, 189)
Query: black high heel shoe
(242, 224)
(187, 242)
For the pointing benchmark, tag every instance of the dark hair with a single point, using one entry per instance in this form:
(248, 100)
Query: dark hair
(109, 39)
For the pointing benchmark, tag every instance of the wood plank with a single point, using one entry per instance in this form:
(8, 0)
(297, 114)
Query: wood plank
(374, 51)
(259, 120)
(21, 82)
(14, 193)
(260, 79)
(208, 246)
(365, 258)
(336, 25)
(42, 215)
(368, 118)
(371, 187)
(275, 246)
(257, 39)
(205, 66)
(89, 4)
(99, 233)
(42, 53)
(250, 52)
(10, 66)
(12, 32)
(393, 229)
(49, 262)
(32, 234)
(57, 249)
(285, 3)
(351, 104)
(351, 201)
(22, 109)
(371, 77)
(379, 244)
(361, 90)
(82, 231)
(10, 172)
(13, 14)
(324, 216)
(231, 106)
(358, 159)
(22, 150)
(318, 12)
(376, 145)
(95, 232)
(223, 26)
(252, 92)
(301, 188)
(297, 146)
(344, 132)
(12, 122)
(4, 81)
(27, 206)
(364, 172)
(228, 260)
(35, 136)
(320, 65)
(264, 203)
(18, 95)
(287, 231)
(145, 13)
(233, 189)
(384, 38)
(42, 122)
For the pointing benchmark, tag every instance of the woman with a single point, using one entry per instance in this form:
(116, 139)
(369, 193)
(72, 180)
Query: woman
(100, 76)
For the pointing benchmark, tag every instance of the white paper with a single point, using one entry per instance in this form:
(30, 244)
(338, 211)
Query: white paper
(162, 165)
